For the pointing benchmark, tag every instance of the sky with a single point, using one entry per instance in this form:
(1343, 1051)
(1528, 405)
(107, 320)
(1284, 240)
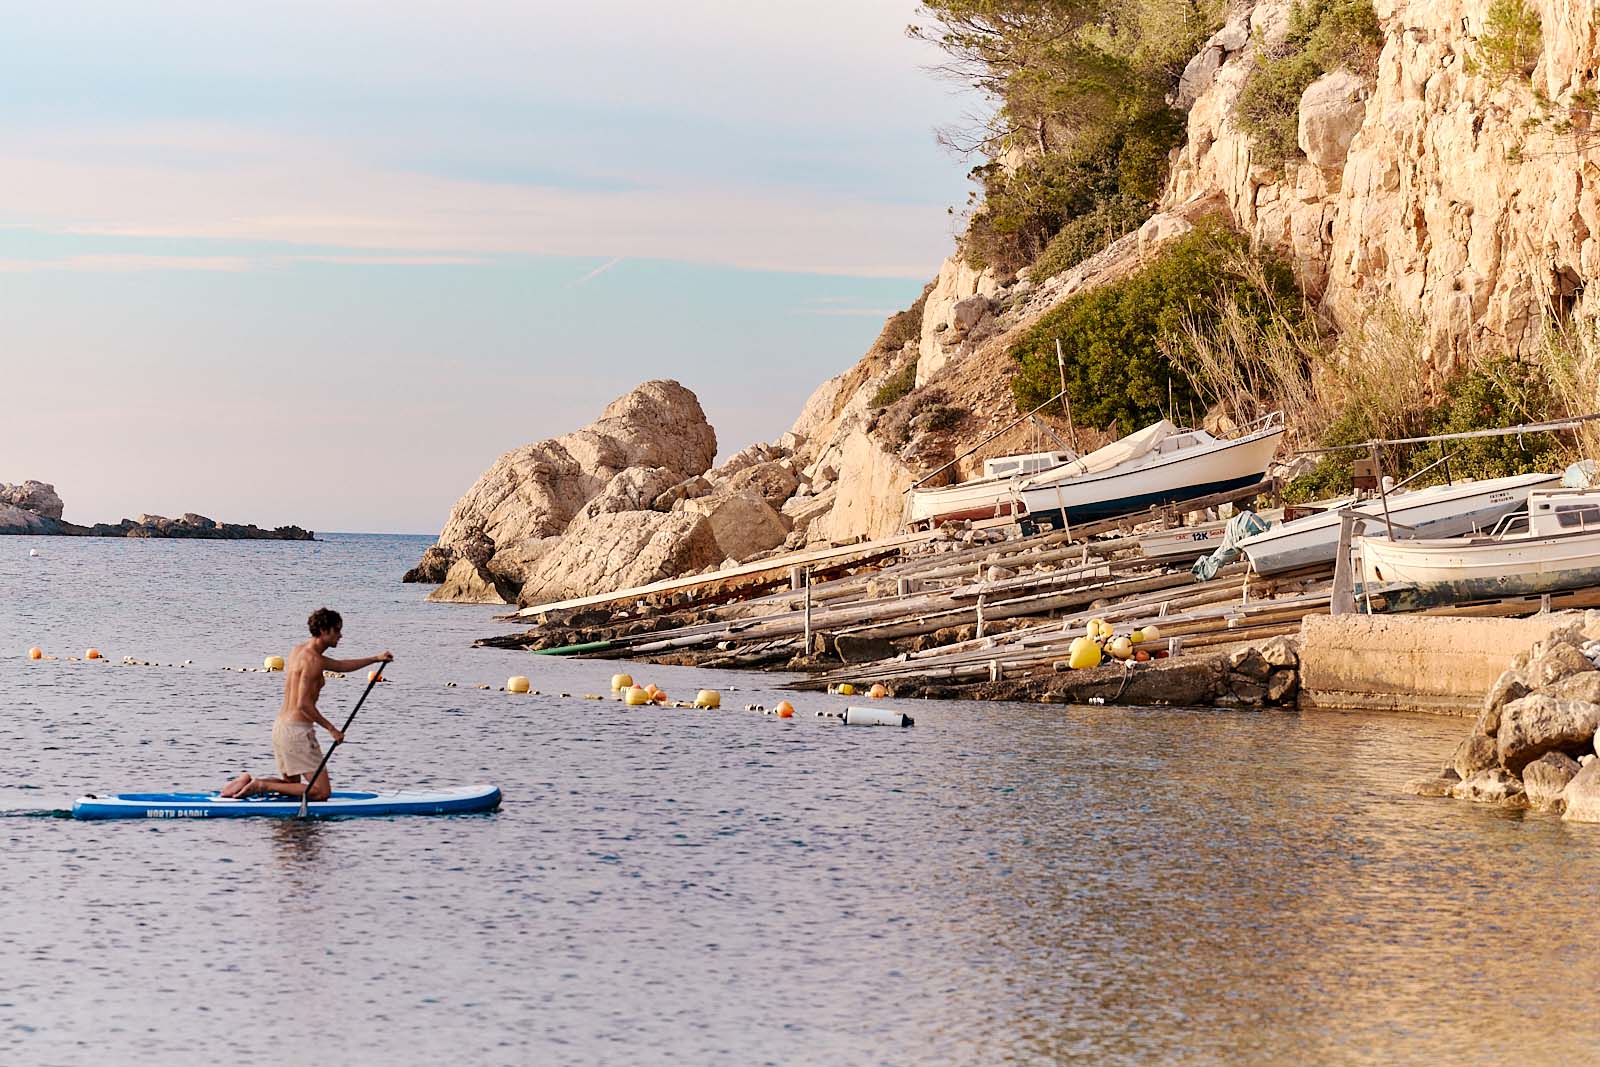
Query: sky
(321, 263)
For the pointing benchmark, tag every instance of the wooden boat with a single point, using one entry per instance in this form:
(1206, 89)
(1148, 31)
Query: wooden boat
(1157, 465)
(1553, 546)
(992, 496)
(1437, 511)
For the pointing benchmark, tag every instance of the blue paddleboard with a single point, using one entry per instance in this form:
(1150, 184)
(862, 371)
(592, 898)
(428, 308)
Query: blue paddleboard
(456, 801)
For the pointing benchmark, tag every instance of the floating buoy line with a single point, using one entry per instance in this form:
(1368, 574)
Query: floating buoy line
(623, 689)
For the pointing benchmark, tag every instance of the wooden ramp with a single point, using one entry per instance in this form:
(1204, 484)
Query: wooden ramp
(740, 580)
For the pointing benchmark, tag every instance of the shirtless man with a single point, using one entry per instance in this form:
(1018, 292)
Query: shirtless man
(294, 732)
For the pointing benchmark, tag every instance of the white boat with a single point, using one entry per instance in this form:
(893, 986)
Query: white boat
(1157, 465)
(1437, 511)
(1184, 542)
(1553, 546)
(991, 496)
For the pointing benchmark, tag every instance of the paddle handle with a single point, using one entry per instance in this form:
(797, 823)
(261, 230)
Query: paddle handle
(305, 797)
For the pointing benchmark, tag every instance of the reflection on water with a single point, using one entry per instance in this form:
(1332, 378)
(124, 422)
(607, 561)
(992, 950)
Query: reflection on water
(1000, 884)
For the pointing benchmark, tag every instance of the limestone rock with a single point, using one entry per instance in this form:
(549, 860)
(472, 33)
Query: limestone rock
(1475, 753)
(38, 497)
(1161, 229)
(1537, 724)
(1332, 109)
(688, 489)
(1560, 660)
(1580, 800)
(774, 481)
(1584, 685)
(535, 491)
(1545, 778)
(743, 523)
(15, 520)
(1250, 663)
(1281, 652)
(633, 489)
(1493, 786)
(1282, 684)
(1431, 787)
(621, 549)
(469, 583)
(869, 496)
(1511, 685)
(969, 312)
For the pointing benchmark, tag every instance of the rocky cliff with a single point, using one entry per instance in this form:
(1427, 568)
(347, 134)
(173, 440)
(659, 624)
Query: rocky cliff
(1467, 199)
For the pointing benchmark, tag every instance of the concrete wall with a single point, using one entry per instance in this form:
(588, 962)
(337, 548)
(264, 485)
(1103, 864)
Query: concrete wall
(1426, 663)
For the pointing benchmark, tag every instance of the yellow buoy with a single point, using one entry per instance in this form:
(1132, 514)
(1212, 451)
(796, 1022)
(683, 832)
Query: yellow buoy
(784, 710)
(846, 689)
(1082, 653)
(708, 698)
(620, 682)
(1120, 648)
(634, 696)
(36, 653)
(272, 663)
(93, 653)
(1136, 636)
(516, 684)
(877, 692)
(1152, 633)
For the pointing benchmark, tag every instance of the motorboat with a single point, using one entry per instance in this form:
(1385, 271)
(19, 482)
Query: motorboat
(1157, 465)
(1434, 512)
(993, 495)
(1552, 546)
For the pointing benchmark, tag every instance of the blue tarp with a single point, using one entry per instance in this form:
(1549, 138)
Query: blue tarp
(1245, 524)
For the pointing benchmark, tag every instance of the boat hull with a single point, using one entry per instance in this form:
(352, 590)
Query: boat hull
(461, 800)
(1440, 511)
(1214, 469)
(1447, 571)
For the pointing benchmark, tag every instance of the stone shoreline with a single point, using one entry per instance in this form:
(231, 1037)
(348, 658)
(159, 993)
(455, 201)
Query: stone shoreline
(32, 509)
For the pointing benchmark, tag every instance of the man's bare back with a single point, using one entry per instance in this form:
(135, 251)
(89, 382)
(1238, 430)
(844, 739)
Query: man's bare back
(294, 732)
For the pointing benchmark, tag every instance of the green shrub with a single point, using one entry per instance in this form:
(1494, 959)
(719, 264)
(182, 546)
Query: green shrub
(1511, 42)
(897, 385)
(1116, 338)
(1088, 234)
(1323, 35)
(941, 417)
(1119, 166)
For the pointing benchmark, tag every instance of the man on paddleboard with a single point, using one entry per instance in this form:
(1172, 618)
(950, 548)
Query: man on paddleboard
(294, 732)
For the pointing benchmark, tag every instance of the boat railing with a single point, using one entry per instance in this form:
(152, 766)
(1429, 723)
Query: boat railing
(1270, 420)
(1508, 525)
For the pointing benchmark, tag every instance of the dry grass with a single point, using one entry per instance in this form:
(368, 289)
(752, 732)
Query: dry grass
(1569, 353)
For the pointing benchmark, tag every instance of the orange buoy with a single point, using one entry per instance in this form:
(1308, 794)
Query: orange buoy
(377, 676)
(36, 653)
(93, 653)
(877, 692)
(1142, 656)
(784, 710)
(660, 696)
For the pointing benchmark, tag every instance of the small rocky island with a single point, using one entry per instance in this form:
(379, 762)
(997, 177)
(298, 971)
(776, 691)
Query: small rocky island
(35, 508)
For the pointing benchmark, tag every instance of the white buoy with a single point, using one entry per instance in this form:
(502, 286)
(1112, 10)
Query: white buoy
(33, 551)
(854, 716)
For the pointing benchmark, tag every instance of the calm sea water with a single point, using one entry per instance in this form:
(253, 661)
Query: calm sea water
(1000, 884)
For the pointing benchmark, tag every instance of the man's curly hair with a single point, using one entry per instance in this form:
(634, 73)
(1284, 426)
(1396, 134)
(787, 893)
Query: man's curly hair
(323, 621)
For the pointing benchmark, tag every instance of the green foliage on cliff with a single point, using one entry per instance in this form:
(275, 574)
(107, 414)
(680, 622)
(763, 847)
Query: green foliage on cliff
(1511, 41)
(1125, 341)
(1081, 116)
(896, 385)
(1324, 35)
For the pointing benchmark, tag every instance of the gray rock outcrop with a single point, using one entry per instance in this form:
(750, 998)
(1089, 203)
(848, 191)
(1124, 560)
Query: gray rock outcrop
(38, 497)
(1537, 724)
(617, 550)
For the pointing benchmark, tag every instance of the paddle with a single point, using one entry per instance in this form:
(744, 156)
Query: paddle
(377, 676)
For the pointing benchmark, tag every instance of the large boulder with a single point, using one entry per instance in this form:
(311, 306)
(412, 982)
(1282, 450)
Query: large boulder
(1511, 685)
(1561, 660)
(1537, 724)
(775, 481)
(633, 489)
(619, 550)
(1493, 786)
(1546, 777)
(1332, 109)
(1475, 753)
(743, 523)
(37, 497)
(535, 491)
(1580, 800)
(15, 520)
(468, 583)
